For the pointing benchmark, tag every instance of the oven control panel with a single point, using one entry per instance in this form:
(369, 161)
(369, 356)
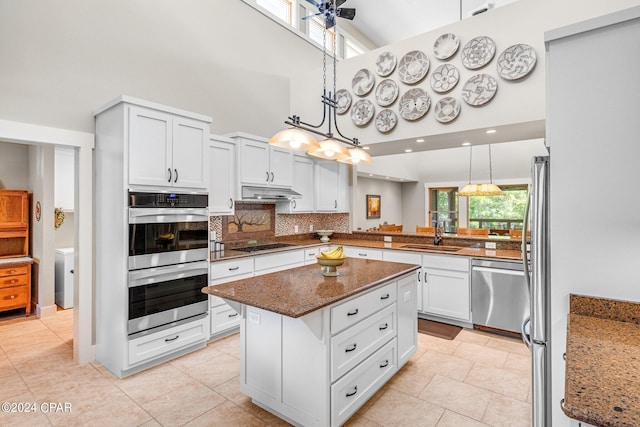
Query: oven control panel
(167, 200)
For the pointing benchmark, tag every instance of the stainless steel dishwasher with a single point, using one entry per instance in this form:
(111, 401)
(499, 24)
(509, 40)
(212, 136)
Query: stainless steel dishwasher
(499, 294)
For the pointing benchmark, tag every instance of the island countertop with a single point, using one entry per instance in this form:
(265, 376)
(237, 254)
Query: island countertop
(302, 290)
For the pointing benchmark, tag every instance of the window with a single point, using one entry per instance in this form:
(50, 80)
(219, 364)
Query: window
(499, 213)
(281, 9)
(316, 29)
(443, 208)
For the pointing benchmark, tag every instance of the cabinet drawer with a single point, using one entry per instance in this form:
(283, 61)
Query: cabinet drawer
(355, 344)
(446, 262)
(223, 317)
(230, 269)
(368, 253)
(354, 389)
(22, 279)
(164, 342)
(278, 261)
(354, 310)
(15, 270)
(13, 297)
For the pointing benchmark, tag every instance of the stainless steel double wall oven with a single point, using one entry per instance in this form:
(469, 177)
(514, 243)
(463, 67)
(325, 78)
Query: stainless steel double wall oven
(168, 267)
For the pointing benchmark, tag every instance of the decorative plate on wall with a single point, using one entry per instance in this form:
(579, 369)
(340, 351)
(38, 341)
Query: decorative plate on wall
(516, 61)
(386, 120)
(343, 101)
(386, 92)
(446, 109)
(446, 46)
(362, 82)
(478, 52)
(385, 64)
(444, 78)
(413, 67)
(362, 112)
(414, 104)
(479, 89)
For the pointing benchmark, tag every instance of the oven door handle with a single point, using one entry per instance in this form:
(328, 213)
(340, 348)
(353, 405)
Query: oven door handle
(166, 215)
(153, 275)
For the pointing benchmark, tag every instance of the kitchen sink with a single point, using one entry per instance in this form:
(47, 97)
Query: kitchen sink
(433, 248)
(266, 247)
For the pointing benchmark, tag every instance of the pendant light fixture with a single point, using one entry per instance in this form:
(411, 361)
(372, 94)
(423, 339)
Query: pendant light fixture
(489, 189)
(331, 147)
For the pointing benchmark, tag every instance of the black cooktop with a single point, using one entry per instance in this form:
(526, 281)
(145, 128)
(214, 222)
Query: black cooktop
(259, 248)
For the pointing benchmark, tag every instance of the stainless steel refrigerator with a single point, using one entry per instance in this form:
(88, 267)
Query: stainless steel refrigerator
(536, 331)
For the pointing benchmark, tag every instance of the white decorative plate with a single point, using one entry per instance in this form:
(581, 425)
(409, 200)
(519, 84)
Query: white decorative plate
(414, 104)
(478, 52)
(479, 89)
(446, 109)
(343, 101)
(362, 82)
(413, 67)
(385, 64)
(386, 92)
(446, 46)
(444, 78)
(362, 112)
(386, 120)
(516, 61)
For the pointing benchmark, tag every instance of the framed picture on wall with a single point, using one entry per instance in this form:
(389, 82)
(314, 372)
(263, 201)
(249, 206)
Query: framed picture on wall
(373, 206)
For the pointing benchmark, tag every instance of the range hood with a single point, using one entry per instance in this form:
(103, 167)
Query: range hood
(269, 193)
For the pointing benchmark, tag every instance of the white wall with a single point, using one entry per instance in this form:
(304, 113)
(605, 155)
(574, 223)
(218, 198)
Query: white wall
(390, 203)
(14, 166)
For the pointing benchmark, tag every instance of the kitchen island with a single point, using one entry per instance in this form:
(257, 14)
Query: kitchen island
(314, 349)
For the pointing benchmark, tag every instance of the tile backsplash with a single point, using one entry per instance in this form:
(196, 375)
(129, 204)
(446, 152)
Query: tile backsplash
(286, 223)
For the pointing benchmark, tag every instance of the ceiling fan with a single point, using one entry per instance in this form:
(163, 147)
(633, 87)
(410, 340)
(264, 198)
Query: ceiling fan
(331, 9)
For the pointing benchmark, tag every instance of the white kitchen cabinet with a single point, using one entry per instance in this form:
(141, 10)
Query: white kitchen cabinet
(327, 185)
(278, 261)
(64, 277)
(223, 317)
(303, 179)
(167, 150)
(576, 423)
(222, 175)
(407, 258)
(311, 253)
(406, 301)
(360, 252)
(64, 178)
(446, 287)
(263, 164)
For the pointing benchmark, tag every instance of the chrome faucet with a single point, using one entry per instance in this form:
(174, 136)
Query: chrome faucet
(437, 239)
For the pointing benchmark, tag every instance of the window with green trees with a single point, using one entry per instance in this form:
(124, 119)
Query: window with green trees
(443, 208)
(503, 212)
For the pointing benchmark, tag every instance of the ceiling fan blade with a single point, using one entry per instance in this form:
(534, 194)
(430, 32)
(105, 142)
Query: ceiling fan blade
(330, 21)
(315, 3)
(340, 2)
(311, 16)
(346, 13)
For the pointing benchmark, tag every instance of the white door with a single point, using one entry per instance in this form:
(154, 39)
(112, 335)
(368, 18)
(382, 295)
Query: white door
(222, 177)
(446, 293)
(190, 153)
(150, 158)
(281, 167)
(254, 163)
(303, 184)
(326, 186)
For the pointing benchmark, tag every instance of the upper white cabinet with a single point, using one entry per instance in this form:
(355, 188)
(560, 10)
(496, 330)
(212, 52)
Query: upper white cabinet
(327, 185)
(64, 178)
(303, 178)
(222, 175)
(166, 149)
(263, 164)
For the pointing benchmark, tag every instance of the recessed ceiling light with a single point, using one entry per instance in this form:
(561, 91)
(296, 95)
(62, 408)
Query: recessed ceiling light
(366, 147)
(466, 144)
(419, 140)
(370, 174)
(408, 150)
(387, 177)
(491, 131)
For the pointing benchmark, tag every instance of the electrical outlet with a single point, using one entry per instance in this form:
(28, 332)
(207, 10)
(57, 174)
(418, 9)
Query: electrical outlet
(387, 239)
(490, 245)
(254, 318)
(310, 227)
(295, 228)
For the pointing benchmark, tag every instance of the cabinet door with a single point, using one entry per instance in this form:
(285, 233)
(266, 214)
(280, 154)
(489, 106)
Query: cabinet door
(280, 167)
(446, 293)
(150, 147)
(254, 163)
(303, 184)
(64, 178)
(190, 153)
(407, 318)
(14, 209)
(326, 186)
(222, 177)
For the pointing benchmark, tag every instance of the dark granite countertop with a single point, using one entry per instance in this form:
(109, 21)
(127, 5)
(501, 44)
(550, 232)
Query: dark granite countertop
(602, 382)
(302, 290)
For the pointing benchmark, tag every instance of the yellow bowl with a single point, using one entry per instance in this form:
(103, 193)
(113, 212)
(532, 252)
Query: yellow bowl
(330, 262)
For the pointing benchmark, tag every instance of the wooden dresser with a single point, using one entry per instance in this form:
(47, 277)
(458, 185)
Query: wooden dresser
(15, 265)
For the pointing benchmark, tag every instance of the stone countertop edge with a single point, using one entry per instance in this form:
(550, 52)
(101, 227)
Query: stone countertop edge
(602, 372)
(302, 244)
(301, 290)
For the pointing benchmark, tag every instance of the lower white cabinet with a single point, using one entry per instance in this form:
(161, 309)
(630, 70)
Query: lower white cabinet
(446, 286)
(278, 261)
(360, 252)
(223, 317)
(319, 369)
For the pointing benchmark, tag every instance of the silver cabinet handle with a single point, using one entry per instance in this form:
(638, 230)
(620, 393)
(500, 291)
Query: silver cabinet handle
(419, 274)
(272, 176)
(425, 277)
(233, 315)
(234, 268)
(171, 339)
(293, 202)
(267, 176)
(362, 254)
(335, 204)
(176, 178)
(230, 202)
(169, 169)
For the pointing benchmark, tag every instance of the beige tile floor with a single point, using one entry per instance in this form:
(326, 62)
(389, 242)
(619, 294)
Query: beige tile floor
(478, 379)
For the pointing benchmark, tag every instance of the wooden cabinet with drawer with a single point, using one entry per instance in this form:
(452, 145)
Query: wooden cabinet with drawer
(14, 223)
(15, 286)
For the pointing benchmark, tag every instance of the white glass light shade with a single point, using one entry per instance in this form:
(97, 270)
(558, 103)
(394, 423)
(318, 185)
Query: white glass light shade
(480, 190)
(330, 149)
(357, 155)
(294, 139)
